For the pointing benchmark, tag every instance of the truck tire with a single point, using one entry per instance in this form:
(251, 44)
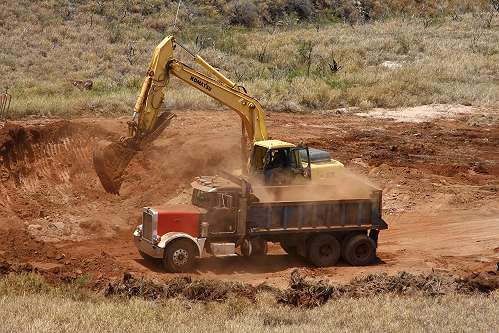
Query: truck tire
(289, 249)
(254, 247)
(360, 250)
(179, 256)
(345, 241)
(324, 250)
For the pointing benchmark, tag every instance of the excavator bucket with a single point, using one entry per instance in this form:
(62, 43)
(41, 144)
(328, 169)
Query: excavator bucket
(112, 158)
(110, 161)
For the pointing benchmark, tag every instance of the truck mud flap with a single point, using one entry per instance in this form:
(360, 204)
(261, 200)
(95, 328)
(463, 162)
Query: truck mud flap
(373, 234)
(379, 224)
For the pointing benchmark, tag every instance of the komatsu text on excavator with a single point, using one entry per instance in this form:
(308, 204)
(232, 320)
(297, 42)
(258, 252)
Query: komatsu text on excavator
(274, 162)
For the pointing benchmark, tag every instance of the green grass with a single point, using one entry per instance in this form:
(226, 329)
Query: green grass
(448, 55)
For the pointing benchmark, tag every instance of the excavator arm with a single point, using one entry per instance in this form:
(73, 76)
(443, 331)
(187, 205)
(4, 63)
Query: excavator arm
(148, 122)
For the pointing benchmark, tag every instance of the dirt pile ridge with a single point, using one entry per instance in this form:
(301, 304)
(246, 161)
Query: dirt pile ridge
(305, 292)
(310, 293)
(196, 290)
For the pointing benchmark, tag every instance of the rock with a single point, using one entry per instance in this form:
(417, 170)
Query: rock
(5, 267)
(57, 225)
(47, 267)
(32, 227)
(90, 225)
(391, 64)
(359, 162)
(292, 107)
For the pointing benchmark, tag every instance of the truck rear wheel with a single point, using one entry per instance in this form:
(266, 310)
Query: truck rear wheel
(179, 256)
(324, 250)
(345, 241)
(359, 250)
(289, 249)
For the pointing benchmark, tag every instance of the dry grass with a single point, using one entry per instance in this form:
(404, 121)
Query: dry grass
(445, 57)
(28, 305)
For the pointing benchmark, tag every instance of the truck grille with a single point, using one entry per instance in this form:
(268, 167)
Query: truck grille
(146, 225)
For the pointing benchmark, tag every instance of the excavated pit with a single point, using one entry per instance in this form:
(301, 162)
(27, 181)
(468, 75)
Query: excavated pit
(49, 184)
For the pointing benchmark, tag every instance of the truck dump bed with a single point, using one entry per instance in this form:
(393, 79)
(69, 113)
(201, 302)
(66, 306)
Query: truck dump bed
(342, 203)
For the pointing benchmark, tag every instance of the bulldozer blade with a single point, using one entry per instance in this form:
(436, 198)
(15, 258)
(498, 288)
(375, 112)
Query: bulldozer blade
(110, 162)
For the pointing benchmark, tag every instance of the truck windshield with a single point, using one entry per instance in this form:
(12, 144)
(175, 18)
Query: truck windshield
(202, 199)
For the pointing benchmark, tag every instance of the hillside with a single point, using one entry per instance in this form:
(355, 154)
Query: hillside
(388, 53)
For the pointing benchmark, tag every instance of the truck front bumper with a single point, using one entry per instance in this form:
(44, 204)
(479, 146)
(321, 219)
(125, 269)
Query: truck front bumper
(147, 247)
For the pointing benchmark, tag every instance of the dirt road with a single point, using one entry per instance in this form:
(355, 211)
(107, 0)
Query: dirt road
(439, 174)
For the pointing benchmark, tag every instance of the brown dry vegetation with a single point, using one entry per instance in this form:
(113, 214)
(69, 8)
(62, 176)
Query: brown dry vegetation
(448, 52)
(28, 304)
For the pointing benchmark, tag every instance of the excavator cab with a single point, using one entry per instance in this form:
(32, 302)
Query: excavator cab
(279, 163)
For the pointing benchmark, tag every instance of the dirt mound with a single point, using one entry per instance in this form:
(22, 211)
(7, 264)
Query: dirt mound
(47, 179)
(311, 293)
(19, 245)
(18, 143)
(22, 252)
(42, 166)
(196, 290)
(304, 292)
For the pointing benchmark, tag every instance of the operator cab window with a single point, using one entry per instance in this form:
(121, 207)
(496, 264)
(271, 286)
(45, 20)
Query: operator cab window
(277, 158)
(257, 158)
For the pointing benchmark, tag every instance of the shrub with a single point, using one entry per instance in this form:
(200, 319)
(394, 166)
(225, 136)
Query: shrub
(303, 8)
(243, 12)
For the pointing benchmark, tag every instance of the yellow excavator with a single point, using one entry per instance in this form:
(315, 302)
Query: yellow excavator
(274, 161)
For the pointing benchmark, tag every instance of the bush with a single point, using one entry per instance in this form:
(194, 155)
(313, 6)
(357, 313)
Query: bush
(302, 8)
(243, 12)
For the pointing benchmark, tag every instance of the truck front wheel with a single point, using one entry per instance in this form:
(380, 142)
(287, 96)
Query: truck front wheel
(359, 250)
(324, 250)
(179, 256)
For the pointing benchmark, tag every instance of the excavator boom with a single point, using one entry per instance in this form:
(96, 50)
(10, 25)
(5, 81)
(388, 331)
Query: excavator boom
(148, 121)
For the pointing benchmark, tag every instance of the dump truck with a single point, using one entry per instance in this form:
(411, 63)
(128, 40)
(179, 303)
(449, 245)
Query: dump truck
(228, 216)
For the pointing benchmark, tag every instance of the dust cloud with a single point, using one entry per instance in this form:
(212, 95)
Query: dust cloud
(342, 185)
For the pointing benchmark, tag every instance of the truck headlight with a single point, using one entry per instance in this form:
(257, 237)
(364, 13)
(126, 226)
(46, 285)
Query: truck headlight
(156, 239)
(138, 231)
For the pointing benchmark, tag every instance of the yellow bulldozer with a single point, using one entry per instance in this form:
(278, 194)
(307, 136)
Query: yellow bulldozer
(271, 161)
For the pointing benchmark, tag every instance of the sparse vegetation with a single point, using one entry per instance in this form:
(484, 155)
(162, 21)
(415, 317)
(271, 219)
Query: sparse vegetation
(281, 51)
(27, 304)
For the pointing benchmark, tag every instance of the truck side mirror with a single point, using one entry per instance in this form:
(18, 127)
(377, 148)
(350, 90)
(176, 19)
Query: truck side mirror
(308, 170)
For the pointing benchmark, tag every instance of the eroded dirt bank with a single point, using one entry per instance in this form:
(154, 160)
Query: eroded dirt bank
(440, 180)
